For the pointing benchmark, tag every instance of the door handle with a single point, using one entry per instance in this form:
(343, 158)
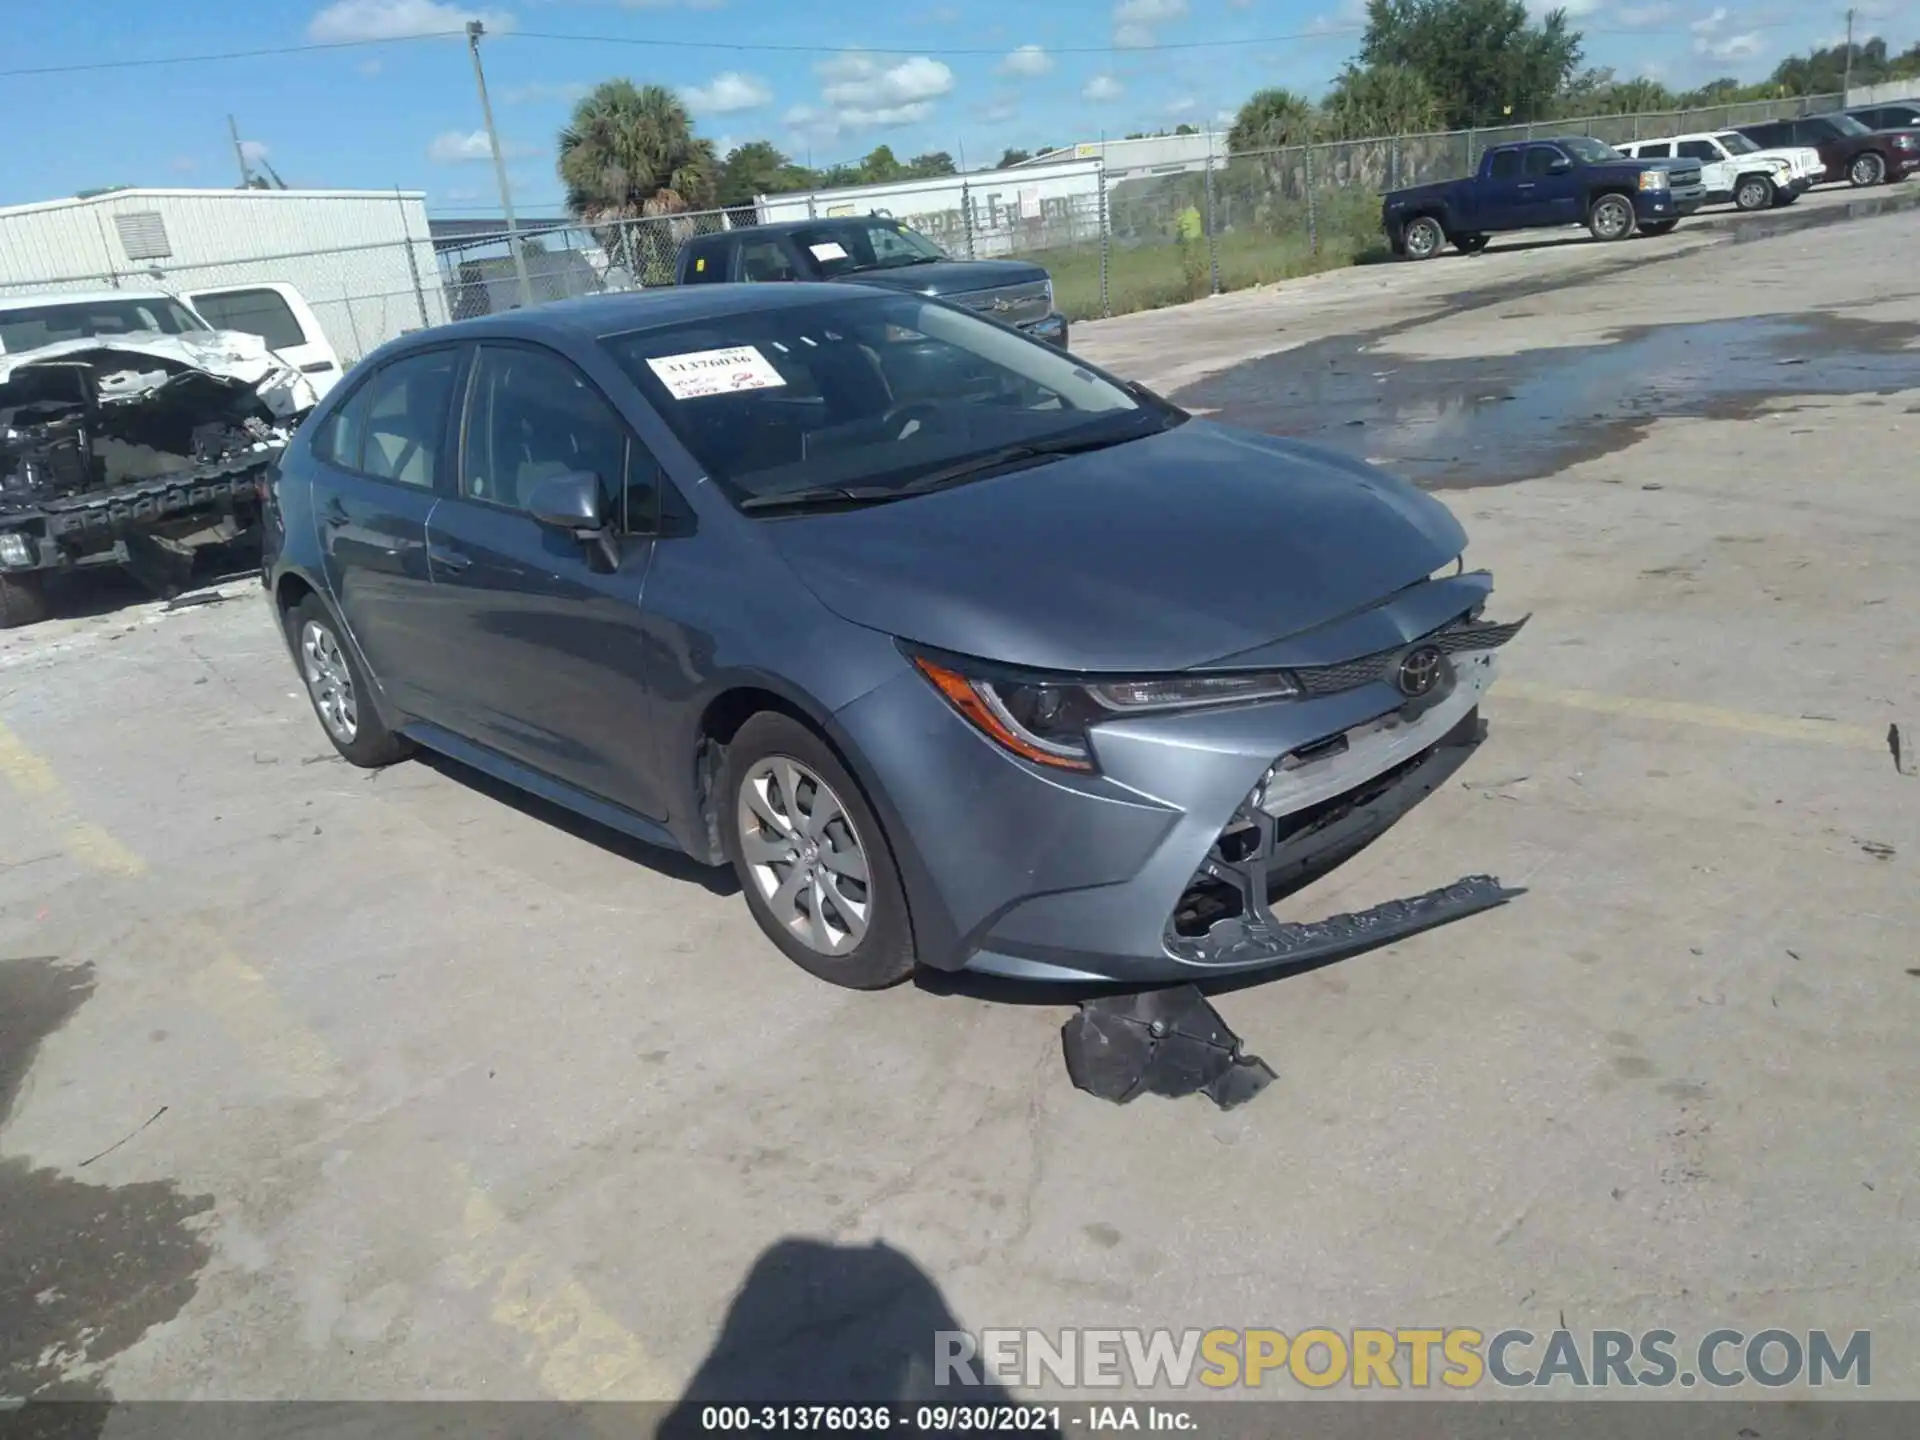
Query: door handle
(452, 559)
(1527, 185)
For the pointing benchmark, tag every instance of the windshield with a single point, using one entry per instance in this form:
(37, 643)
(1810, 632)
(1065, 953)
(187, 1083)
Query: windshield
(873, 393)
(1736, 143)
(852, 246)
(37, 325)
(1593, 152)
(1847, 125)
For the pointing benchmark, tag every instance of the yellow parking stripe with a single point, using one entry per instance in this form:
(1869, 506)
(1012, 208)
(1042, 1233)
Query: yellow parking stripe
(46, 799)
(1679, 712)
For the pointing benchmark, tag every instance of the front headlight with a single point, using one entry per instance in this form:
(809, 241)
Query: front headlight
(1046, 721)
(1653, 180)
(1049, 295)
(1903, 142)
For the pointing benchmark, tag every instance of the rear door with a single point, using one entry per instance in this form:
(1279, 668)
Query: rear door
(1553, 195)
(378, 458)
(1499, 201)
(279, 315)
(547, 628)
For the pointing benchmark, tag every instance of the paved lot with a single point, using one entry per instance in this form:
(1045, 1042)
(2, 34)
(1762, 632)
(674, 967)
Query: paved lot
(343, 1085)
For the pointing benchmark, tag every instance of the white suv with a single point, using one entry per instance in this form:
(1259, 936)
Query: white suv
(1736, 169)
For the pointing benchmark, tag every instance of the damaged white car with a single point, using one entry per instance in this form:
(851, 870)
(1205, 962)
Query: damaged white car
(132, 433)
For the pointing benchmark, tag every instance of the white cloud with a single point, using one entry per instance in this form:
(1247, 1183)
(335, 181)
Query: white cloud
(728, 92)
(1707, 24)
(1732, 47)
(1101, 88)
(1638, 17)
(1183, 106)
(254, 151)
(1134, 20)
(542, 91)
(457, 147)
(1027, 60)
(1001, 111)
(183, 164)
(349, 20)
(859, 92)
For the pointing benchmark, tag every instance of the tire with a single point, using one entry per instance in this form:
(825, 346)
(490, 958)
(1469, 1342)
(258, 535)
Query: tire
(1610, 218)
(1784, 198)
(1868, 168)
(23, 601)
(1658, 227)
(329, 670)
(1754, 192)
(1471, 244)
(832, 925)
(1424, 238)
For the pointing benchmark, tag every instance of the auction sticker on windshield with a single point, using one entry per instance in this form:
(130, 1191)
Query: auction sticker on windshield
(828, 250)
(715, 372)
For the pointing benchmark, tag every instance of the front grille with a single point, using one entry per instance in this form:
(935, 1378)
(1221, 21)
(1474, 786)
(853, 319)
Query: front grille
(1010, 304)
(1450, 639)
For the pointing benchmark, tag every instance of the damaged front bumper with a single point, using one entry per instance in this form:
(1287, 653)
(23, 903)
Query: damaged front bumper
(1161, 867)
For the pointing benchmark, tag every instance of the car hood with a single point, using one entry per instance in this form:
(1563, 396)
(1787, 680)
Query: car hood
(136, 363)
(1164, 553)
(951, 277)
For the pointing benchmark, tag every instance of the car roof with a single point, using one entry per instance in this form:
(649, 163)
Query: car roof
(594, 317)
(78, 297)
(787, 227)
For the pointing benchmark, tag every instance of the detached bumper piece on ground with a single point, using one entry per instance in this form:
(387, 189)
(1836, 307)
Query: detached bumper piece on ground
(1160, 1042)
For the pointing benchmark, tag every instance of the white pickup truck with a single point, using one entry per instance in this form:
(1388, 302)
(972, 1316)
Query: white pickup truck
(1736, 169)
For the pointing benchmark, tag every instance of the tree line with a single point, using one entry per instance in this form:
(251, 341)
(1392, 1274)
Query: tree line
(1423, 65)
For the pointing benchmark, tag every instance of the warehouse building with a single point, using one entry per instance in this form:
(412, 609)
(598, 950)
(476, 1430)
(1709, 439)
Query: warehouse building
(363, 259)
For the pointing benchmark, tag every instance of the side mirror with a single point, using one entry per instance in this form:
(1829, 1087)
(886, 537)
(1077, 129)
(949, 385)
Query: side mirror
(1559, 165)
(571, 502)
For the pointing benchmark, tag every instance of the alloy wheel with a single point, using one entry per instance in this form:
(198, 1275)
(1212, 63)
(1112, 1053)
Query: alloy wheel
(804, 856)
(1868, 169)
(1612, 218)
(1423, 238)
(329, 681)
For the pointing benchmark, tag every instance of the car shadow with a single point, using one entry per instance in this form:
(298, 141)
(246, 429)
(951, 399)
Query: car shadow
(674, 864)
(108, 589)
(816, 1323)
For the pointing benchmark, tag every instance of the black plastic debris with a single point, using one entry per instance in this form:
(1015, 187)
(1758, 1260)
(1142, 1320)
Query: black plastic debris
(1160, 1042)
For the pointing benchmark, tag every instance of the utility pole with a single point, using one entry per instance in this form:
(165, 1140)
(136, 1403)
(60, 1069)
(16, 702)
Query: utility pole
(474, 31)
(1846, 84)
(240, 154)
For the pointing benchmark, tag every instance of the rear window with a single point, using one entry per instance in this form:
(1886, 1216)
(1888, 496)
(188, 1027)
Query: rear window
(253, 312)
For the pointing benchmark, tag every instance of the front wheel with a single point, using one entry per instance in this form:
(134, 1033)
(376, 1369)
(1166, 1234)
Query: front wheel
(1611, 218)
(1867, 169)
(1754, 192)
(1471, 244)
(811, 857)
(1657, 227)
(1785, 197)
(338, 688)
(1424, 238)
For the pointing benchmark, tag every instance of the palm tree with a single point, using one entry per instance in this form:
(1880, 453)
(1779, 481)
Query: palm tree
(1271, 119)
(1380, 100)
(630, 152)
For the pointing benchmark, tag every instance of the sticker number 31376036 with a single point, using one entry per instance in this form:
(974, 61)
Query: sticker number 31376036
(715, 372)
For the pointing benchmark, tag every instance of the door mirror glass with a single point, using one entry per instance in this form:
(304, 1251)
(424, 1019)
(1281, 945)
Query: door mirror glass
(569, 502)
(1559, 165)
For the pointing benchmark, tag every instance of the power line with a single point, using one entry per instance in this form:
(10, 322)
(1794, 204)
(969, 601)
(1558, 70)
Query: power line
(764, 48)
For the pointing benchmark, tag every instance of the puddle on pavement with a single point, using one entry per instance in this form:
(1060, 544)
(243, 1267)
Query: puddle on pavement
(1493, 419)
(85, 1270)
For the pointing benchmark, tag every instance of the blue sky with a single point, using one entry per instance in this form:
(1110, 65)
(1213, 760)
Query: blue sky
(965, 76)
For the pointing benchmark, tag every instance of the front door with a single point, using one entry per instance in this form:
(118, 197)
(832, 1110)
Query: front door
(1555, 193)
(378, 457)
(544, 627)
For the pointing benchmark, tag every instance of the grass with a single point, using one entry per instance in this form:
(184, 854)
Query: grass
(1150, 273)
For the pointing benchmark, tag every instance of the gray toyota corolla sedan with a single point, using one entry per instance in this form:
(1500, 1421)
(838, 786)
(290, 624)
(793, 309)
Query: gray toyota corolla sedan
(960, 651)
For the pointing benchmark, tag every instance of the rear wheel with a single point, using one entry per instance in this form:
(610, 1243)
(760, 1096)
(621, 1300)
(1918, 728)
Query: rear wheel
(1424, 238)
(338, 688)
(811, 857)
(1470, 244)
(1611, 218)
(1754, 192)
(1867, 169)
(23, 601)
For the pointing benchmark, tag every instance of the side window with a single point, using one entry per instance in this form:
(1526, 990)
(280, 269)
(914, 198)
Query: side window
(1658, 150)
(1812, 132)
(1703, 150)
(253, 312)
(1764, 135)
(337, 441)
(1506, 165)
(532, 417)
(764, 260)
(406, 412)
(706, 262)
(1540, 159)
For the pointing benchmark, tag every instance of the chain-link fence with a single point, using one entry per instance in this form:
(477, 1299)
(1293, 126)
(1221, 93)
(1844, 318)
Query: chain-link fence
(1121, 240)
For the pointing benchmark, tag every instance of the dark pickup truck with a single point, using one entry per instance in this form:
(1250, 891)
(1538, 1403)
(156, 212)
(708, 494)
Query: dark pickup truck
(876, 250)
(1535, 184)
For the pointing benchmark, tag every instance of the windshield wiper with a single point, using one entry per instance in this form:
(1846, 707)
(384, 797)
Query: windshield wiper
(1032, 450)
(823, 497)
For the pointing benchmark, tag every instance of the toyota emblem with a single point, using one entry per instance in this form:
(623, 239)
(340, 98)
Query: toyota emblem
(1420, 672)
